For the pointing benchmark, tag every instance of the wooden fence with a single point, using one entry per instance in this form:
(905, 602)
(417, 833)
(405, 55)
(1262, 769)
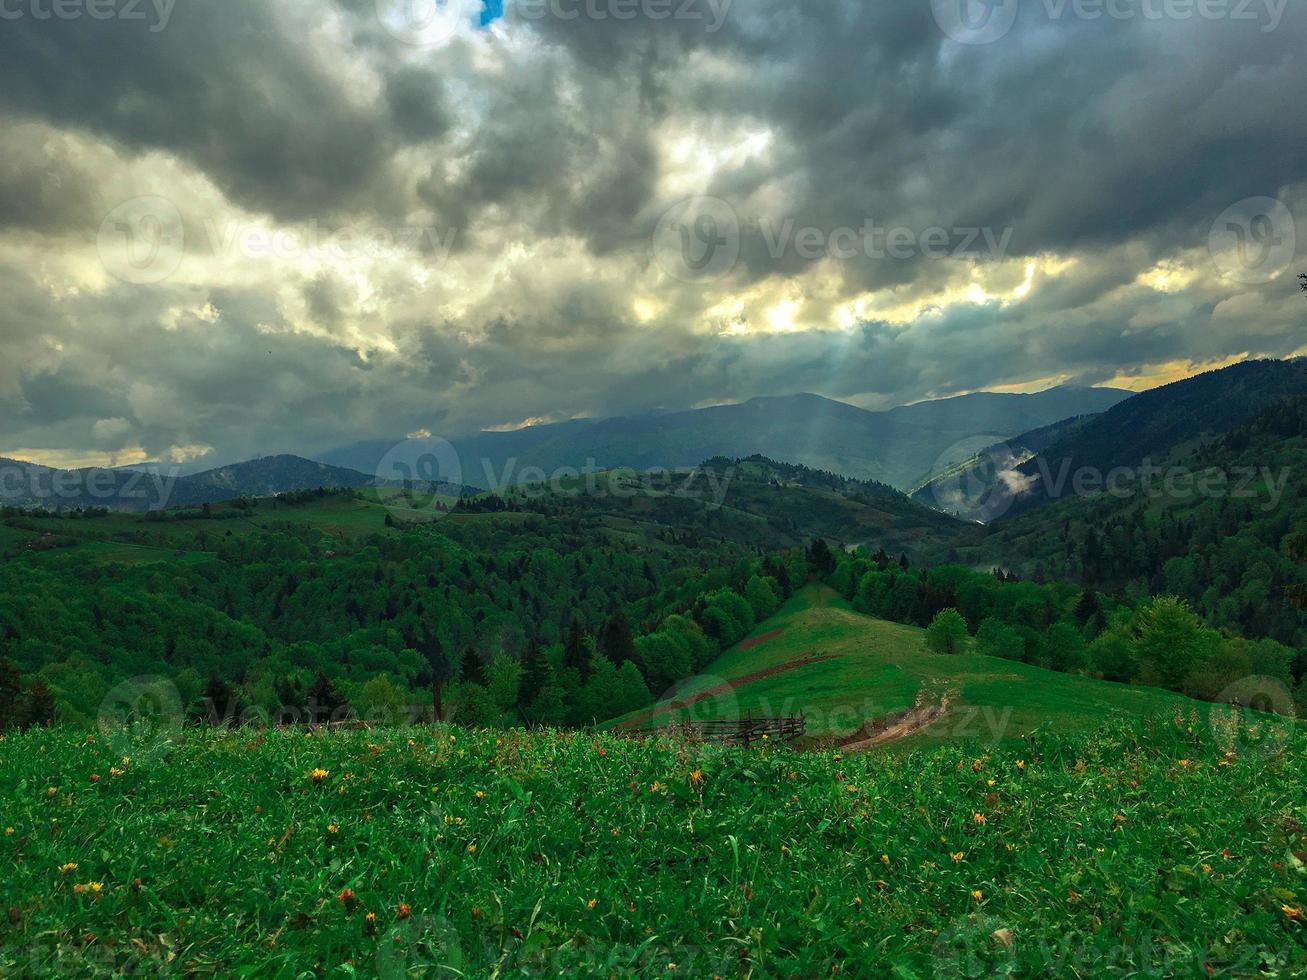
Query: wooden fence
(746, 731)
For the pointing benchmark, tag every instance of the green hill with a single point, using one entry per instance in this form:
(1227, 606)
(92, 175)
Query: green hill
(844, 669)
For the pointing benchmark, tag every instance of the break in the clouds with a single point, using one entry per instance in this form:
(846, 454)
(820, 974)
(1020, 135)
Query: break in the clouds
(231, 227)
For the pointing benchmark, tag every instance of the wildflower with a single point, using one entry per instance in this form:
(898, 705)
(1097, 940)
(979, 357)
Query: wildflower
(978, 895)
(857, 901)
(957, 856)
(333, 828)
(68, 868)
(471, 848)
(346, 898)
(592, 903)
(318, 775)
(452, 740)
(978, 818)
(403, 912)
(1291, 912)
(1021, 764)
(884, 859)
(95, 887)
(51, 791)
(95, 777)
(476, 912)
(852, 789)
(9, 831)
(79, 889)
(480, 795)
(1073, 897)
(1207, 868)
(371, 920)
(115, 771)
(696, 778)
(656, 787)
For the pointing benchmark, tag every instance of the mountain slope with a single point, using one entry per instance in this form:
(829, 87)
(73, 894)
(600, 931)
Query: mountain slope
(757, 502)
(844, 669)
(1223, 549)
(900, 447)
(968, 490)
(1152, 425)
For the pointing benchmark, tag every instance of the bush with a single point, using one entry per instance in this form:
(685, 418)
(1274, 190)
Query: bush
(947, 633)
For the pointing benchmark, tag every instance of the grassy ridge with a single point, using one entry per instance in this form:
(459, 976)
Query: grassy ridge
(879, 669)
(539, 854)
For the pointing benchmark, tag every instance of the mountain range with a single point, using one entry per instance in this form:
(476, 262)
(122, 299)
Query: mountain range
(902, 447)
(24, 484)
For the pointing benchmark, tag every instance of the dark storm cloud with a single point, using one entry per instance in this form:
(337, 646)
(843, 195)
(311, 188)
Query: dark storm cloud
(1109, 146)
(229, 85)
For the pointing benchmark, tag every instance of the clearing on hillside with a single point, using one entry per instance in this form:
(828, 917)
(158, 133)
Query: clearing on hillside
(846, 671)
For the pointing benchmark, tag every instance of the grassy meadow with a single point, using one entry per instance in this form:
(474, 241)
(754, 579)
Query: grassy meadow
(865, 668)
(461, 853)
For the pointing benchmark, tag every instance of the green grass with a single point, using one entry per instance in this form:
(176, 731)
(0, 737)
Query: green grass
(213, 854)
(881, 667)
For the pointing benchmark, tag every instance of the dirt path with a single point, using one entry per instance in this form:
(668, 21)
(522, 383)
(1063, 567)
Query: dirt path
(717, 690)
(919, 717)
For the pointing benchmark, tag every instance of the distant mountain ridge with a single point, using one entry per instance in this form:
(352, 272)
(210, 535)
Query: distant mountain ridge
(32, 485)
(900, 447)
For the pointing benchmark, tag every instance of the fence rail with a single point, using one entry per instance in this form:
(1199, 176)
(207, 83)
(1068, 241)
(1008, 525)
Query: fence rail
(744, 731)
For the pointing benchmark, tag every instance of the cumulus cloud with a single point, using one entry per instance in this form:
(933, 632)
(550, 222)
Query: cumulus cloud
(370, 236)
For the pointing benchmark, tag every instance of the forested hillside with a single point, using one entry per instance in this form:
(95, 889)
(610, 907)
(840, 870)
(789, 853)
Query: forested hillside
(1226, 551)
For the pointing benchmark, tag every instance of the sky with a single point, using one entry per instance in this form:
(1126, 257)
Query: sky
(232, 228)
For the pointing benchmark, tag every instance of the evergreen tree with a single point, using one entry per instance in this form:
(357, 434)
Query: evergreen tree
(536, 674)
(439, 672)
(821, 558)
(473, 668)
(11, 689)
(217, 706)
(39, 708)
(576, 650)
(615, 640)
(326, 703)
